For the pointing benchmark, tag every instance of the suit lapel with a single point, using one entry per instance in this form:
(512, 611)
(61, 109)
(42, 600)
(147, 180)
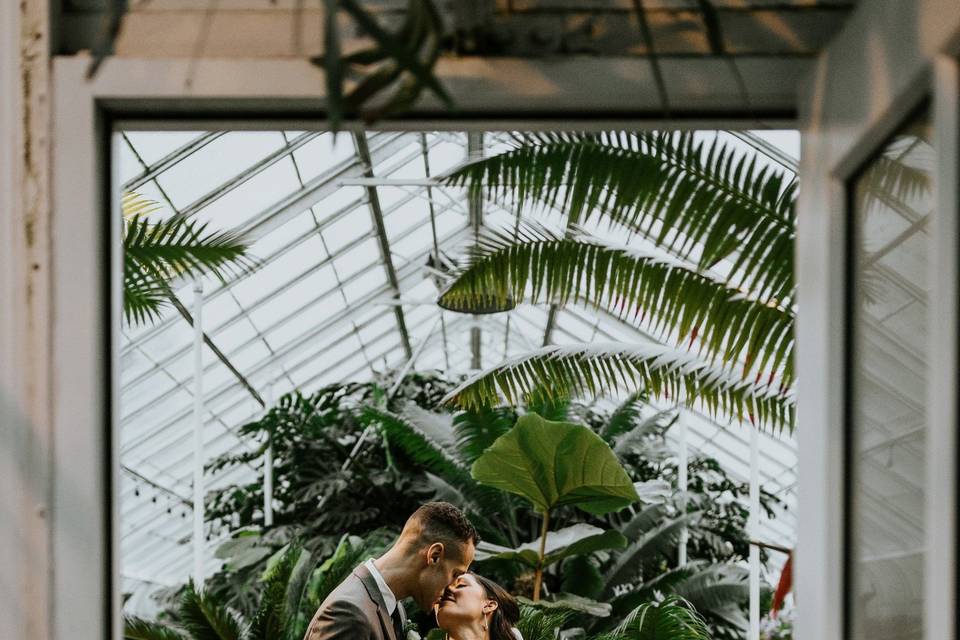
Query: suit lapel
(373, 591)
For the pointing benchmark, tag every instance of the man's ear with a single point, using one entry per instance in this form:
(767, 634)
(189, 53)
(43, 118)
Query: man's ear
(435, 553)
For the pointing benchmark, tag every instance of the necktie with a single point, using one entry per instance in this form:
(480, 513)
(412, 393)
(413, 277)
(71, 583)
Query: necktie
(397, 618)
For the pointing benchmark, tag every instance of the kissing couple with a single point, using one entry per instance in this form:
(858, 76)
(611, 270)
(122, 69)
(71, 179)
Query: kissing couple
(429, 562)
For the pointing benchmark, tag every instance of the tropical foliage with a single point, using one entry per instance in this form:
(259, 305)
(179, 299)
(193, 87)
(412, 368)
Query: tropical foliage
(603, 565)
(293, 584)
(718, 290)
(313, 439)
(157, 250)
(596, 564)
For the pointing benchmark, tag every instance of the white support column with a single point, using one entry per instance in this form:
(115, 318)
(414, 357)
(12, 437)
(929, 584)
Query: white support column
(268, 464)
(268, 486)
(198, 536)
(753, 527)
(682, 482)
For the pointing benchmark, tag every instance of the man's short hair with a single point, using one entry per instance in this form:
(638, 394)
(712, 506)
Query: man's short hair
(443, 522)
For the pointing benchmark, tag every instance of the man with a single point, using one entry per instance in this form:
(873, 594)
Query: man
(436, 545)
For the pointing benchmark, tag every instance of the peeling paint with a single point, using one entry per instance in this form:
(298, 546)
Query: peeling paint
(31, 41)
(29, 151)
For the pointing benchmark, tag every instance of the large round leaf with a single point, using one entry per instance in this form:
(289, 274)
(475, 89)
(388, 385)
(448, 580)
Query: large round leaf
(556, 463)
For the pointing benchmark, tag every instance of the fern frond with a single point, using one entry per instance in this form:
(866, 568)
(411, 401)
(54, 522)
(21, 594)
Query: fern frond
(271, 618)
(206, 619)
(135, 628)
(673, 617)
(540, 623)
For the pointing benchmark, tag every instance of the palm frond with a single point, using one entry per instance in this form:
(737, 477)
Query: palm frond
(673, 617)
(643, 521)
(650, 547)
(135, 628)
(157, 251)
(427, 438)
(143, 299)
(206, 619)
(701, 201)
(133, 205)
(680, 303)
(478, 428)
(181, 247)
(716, 588)
(624, 417)
(891, 180)
(666, 582)
(590, 369)
(640, 435)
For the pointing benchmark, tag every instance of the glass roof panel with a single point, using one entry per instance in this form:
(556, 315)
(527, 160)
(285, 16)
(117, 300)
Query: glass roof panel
(322, 153)
(319, 308)
(152, 146)
(216, 164)
(242, 203)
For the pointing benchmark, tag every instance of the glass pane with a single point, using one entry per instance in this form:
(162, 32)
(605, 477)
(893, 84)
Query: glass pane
(891, 202)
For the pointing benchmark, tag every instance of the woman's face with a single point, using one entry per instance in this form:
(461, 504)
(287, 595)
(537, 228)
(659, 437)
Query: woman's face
(463, 602)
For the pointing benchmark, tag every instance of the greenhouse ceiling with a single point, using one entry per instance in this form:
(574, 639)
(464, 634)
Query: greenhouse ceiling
(352, 236)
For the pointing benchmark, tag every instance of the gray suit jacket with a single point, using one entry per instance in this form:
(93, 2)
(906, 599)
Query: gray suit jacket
(355, 609)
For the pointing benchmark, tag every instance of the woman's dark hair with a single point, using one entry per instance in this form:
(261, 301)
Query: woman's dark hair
(507, 613)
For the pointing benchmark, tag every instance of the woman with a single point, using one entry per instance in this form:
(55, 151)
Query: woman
(475, 608)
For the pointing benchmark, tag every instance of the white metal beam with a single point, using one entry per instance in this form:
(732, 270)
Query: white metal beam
(199, 552)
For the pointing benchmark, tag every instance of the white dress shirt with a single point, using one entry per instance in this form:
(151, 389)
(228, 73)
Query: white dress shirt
(389, 599)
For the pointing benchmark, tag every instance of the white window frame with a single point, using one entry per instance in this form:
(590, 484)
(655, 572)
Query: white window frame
(846, 114)
(152, 94)
(887, 60)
